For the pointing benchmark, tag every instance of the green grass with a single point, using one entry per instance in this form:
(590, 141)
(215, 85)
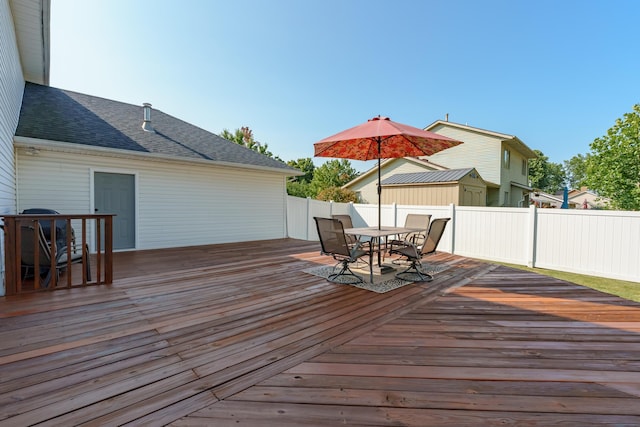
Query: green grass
(621, 288)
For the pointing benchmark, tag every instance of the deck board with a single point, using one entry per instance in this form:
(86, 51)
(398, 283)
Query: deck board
(238, 334)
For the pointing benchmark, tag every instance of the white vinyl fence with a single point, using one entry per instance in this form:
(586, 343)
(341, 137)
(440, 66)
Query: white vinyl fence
(594, 242)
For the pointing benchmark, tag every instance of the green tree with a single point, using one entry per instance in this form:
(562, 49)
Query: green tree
(244, 137)
(305, 165)
(545, 175)
(575, 170)
(300, 186)
(300, 189)
(613, 167)
(334, 173)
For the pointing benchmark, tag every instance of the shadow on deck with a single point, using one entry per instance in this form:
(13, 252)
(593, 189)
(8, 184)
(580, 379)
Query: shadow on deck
(238, 335)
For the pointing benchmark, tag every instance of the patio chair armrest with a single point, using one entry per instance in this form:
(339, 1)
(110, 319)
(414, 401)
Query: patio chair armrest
(362, 245)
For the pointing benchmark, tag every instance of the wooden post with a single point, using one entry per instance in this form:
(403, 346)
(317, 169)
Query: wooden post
(12, 263)
(108, 249)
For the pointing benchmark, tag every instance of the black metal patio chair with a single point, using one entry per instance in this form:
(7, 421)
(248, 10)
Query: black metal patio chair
(415, 253)
(334, 242)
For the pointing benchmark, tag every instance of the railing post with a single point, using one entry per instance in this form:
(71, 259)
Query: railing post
(11, 247)
(108, 249)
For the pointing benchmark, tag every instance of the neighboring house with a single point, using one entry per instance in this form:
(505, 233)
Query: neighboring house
(587, 199)
(366, 184)
(171, 185)
(501, 160)
(462, 187)
(546, 200)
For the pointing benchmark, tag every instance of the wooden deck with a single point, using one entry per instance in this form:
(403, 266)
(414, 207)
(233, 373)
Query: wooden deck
(239, 335)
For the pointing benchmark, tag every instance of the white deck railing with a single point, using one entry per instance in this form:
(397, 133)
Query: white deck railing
(593, 242)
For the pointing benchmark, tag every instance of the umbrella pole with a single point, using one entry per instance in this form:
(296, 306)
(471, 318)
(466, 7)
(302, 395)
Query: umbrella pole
(379, 197)
(379, 188)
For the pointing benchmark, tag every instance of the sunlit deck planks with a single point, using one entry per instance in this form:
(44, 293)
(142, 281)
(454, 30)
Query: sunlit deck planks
(237, 334)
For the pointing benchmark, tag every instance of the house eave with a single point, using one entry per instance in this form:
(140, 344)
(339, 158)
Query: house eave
(522, 186)
(21, 142)
(31, 19)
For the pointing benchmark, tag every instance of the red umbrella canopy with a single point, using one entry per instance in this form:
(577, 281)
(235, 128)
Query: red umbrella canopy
(394, 140)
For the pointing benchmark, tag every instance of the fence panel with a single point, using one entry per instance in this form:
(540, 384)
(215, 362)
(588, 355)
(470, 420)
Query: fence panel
(297, 218)
(496, 234)
(598, 243)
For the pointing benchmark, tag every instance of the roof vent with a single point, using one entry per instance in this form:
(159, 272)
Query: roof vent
(146, 123)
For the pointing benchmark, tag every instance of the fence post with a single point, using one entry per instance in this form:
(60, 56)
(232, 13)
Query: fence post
(531, 240)
(452, 215)
(308, 214)
(394, 210)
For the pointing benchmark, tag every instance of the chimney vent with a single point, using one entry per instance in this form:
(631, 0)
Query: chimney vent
(446, 117)
(146, 118)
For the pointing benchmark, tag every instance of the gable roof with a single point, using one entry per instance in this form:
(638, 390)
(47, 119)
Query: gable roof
(53, 114)
(511, 140)
(421, 162)
(450, 175)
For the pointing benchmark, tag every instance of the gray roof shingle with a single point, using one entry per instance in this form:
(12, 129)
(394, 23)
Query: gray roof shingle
(449, 175)
(60, 115)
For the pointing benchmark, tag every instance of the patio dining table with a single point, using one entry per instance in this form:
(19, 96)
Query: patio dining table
(377, 234)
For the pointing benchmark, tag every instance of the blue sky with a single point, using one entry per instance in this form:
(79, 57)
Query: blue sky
(557, 74)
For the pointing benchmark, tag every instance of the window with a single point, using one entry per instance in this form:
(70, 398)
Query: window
(506, 159)
(524, 167)
(507, 202)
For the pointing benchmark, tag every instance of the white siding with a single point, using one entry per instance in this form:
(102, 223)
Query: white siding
(11, 89)
(177, 204)
(477, 151)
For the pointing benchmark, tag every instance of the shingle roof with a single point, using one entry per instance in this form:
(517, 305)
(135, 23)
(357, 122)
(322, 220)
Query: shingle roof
(449, 175)
(59, 115)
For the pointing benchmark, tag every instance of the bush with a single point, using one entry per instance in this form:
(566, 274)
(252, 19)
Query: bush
(337, 194)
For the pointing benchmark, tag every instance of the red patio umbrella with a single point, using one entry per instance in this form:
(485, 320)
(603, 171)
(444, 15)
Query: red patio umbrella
(381, 138)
